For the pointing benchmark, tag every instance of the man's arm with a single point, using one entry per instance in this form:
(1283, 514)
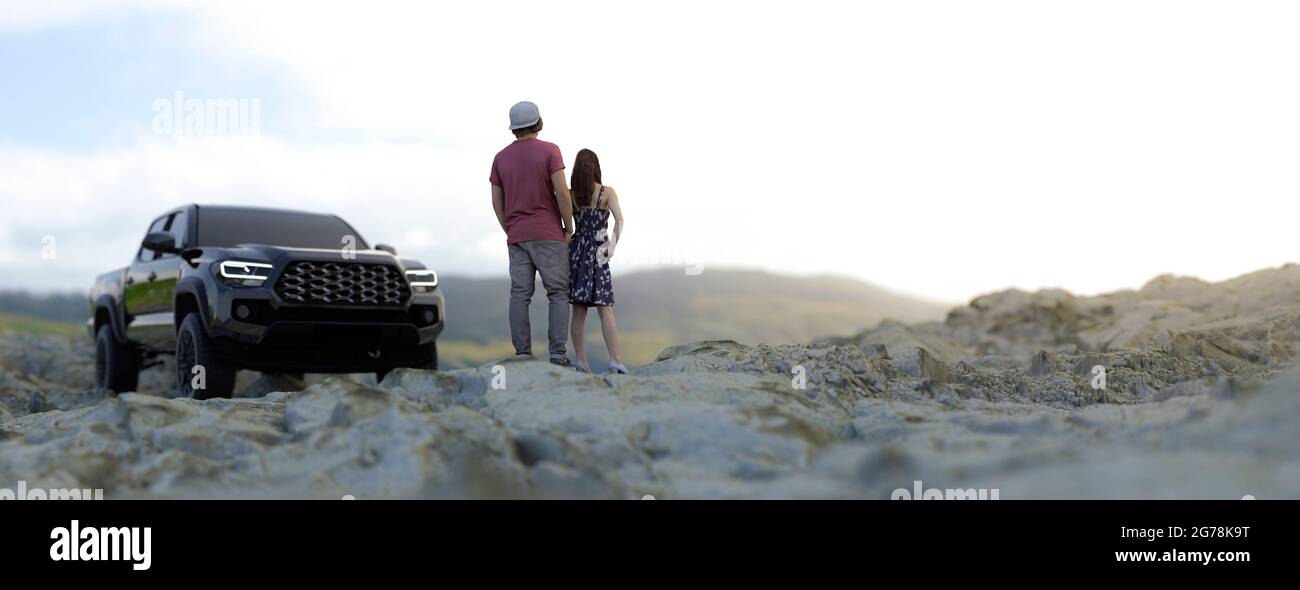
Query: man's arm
(564, 201)
(499, 204)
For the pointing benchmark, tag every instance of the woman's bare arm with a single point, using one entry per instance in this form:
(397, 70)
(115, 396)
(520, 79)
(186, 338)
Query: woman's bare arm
(617, 212)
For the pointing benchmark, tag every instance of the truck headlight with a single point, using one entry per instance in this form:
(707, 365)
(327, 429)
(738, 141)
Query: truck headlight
(239, 273)
(422, 281)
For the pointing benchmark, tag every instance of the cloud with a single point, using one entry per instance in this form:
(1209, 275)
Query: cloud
(945, 148)
(940, 148)
(20, 16)
(97, 206)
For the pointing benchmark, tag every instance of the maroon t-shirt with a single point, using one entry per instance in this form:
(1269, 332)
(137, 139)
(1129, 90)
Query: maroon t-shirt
(523, 170)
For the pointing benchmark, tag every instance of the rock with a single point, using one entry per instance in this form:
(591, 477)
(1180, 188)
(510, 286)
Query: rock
(1198, 401)
(1248, 323)
(931, 369)
(36, 403)
(264, 383)
(1041, 364)
(550, 480)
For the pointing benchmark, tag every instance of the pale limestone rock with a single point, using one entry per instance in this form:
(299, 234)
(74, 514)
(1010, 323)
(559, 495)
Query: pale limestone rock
(1200, 401)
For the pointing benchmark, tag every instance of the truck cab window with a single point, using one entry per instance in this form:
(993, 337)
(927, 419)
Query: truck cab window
(145, 254)
(176, 227)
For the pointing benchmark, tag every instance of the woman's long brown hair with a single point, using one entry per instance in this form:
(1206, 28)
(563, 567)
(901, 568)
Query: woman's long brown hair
(586, 173)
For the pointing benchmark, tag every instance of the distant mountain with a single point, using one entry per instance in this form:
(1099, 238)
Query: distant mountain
(58, 307)
(659, 308)
(655, 309)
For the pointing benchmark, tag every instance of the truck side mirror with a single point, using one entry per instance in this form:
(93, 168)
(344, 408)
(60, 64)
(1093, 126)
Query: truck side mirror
(161, 242)
(386, 248)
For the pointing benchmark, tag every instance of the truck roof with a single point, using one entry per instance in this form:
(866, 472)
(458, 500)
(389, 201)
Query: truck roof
(260, 209)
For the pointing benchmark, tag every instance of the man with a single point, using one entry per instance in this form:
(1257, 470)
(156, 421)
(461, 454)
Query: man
(532, 203)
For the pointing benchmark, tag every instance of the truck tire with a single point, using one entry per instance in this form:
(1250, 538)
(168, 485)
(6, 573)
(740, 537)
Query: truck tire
(117, 365)
(194, 349)
(432, 365)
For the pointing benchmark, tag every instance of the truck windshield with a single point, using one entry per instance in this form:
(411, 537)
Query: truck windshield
(224, 228)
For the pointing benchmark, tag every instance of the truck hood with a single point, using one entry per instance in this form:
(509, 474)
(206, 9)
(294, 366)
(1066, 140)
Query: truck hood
(281, 255)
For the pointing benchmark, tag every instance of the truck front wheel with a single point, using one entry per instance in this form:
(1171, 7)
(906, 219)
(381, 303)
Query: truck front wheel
(117, 365)
(199, 374)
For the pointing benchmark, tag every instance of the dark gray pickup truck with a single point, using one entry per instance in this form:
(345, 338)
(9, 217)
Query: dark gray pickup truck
(230, 288)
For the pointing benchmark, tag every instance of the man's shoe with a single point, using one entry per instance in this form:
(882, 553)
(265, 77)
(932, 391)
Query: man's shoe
(563, 362)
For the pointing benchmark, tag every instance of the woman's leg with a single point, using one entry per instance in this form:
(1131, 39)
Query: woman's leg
(610, 330)
(577, 325)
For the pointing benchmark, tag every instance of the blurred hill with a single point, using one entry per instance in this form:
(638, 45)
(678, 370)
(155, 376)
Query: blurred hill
(660, 308)
(655, 309)
(55, 313)
(58, 307)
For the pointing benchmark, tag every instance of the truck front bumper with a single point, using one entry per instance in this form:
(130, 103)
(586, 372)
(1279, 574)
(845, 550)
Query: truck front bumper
(251, 329)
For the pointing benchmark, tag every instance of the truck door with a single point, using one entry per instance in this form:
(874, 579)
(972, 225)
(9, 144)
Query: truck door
(151, 286)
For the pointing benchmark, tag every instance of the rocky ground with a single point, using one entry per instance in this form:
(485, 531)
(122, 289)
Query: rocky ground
(1200, 401)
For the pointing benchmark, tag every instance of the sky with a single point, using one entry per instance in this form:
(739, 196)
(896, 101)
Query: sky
(936, 148)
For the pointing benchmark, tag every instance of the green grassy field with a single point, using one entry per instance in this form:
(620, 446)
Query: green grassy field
(18, 324)
(638, 348)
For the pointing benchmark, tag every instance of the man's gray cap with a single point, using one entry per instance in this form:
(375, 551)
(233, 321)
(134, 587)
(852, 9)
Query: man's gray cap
(524, 114)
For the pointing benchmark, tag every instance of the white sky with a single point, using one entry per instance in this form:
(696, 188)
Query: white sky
(937, 148)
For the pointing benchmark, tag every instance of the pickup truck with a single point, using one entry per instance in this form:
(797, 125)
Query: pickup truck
(231, 288)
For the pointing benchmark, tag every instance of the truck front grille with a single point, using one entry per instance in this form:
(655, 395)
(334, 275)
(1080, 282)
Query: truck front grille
(343, 283)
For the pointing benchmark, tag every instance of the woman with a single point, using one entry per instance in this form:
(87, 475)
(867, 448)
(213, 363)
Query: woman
(590, 284)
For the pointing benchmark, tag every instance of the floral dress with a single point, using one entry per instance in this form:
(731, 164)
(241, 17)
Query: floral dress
(589, 280)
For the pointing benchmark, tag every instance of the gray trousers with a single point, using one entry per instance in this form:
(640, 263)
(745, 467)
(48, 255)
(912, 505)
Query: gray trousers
(550, 258)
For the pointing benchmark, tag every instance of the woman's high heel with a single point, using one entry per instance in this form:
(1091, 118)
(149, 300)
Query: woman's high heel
(617, 368)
